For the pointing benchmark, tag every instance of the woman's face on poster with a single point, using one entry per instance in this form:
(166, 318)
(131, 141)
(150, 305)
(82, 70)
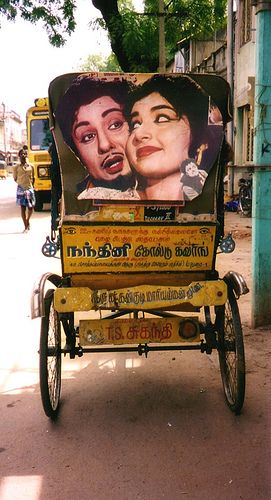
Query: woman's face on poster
(159, 139)
(100, 133)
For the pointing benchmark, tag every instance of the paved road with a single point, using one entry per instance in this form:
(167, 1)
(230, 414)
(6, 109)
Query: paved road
(130, 428)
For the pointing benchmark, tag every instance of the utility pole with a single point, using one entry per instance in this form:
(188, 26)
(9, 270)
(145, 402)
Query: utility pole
(162, 52)
(230, 79)
(261, 209)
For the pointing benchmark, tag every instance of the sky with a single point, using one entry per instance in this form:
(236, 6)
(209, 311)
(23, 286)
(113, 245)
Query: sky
(28, 62)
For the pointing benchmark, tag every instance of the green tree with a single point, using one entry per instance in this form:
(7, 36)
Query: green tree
(133, 36)
(97, 62)
(56, 15)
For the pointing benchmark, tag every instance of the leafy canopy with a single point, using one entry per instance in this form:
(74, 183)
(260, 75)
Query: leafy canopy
(134, 37)
(97, 62)
(56, 15)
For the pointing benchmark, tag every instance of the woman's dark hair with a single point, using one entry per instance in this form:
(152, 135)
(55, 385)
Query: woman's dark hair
(187, 98)
(84, 90)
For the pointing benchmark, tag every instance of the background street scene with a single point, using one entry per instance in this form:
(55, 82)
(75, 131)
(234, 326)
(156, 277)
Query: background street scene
(129, 427)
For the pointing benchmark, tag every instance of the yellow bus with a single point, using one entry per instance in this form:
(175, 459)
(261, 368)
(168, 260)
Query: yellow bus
(38, 141)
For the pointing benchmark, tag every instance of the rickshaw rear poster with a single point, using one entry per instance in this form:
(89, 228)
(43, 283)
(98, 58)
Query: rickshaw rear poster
(140, 139)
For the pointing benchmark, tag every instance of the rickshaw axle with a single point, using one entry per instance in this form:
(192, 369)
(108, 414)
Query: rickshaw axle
(140, 349)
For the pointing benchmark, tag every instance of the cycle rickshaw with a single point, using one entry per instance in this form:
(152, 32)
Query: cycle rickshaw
(143, 265)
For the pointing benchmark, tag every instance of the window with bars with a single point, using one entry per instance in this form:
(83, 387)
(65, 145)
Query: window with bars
(248, 132)
(246, 21)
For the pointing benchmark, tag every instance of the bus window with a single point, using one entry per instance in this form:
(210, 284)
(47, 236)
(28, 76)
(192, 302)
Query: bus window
(40, 135)
(39, 139)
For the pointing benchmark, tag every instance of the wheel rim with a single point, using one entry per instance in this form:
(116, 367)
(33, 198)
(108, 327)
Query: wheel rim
(50, 358)
(231, 353)
(245, 202)
(53, 357)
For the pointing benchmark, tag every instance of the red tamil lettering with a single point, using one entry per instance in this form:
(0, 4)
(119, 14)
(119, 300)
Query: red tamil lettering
(132, 333)
(166, 331)
(145, 333)
(155, 332)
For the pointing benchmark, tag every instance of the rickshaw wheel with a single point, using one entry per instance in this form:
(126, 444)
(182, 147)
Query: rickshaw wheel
(50, 358)
(231, 353)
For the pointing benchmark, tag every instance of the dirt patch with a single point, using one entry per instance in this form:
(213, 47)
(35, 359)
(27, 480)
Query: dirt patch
(238, 226)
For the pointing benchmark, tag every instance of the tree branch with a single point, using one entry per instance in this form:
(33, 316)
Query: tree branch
(114, 24)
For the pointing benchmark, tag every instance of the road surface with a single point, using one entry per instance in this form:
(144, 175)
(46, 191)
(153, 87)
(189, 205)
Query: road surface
(129, 428)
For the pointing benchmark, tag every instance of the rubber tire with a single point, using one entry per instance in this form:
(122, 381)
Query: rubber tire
(231, 353)
(39, 202)
(245, 201)
(50, 365)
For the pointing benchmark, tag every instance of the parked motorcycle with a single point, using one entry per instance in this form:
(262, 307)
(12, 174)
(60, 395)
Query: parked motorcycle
(245, 196)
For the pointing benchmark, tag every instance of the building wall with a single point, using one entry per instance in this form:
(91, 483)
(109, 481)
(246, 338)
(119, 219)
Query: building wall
(214, 63)
(11, 131)
(205, 52)
(211, 58)
(244, 89)
(245, 63)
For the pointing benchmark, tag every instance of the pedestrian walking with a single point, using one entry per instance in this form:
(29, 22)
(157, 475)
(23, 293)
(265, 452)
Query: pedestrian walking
(23, 174)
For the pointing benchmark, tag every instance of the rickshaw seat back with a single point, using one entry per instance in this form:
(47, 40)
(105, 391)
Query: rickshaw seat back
(112, 242)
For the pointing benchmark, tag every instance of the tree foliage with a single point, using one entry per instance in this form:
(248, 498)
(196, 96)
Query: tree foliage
(133, 36)
(96, 62)
(57, 16)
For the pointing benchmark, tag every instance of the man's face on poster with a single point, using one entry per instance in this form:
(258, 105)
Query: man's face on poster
(100, 133)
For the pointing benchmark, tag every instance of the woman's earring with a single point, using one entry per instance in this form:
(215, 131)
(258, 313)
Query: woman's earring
(200, 151)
